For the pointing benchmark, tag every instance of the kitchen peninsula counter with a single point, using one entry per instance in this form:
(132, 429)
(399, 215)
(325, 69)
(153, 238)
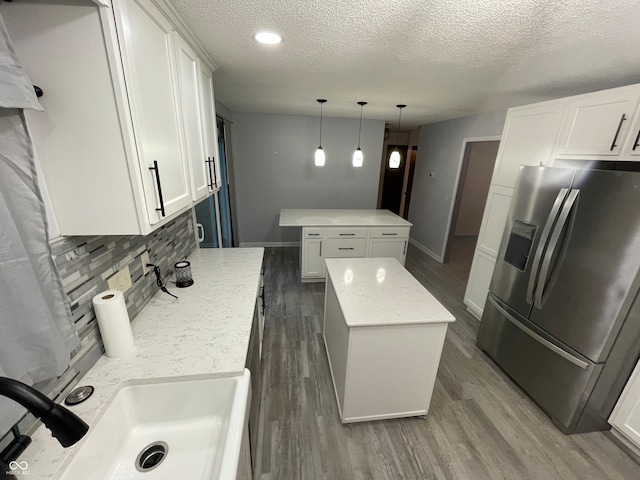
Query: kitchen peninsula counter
(204, 333)
(340, 218)
(340, 233)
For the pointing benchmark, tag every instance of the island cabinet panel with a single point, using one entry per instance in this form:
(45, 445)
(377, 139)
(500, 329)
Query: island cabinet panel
(383, 333)
(346, 234)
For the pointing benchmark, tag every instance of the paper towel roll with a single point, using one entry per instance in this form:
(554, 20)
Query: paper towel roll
(113, 321)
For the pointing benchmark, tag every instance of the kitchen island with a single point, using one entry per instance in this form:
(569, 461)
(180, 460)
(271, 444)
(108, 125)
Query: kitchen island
(337, 233)
(204, 333)
(384, 334)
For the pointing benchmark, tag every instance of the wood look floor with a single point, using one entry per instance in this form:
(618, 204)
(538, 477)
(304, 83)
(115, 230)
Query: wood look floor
(480, 425)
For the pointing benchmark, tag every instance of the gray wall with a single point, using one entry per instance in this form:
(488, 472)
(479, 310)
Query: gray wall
(273, 169)
(439, 151)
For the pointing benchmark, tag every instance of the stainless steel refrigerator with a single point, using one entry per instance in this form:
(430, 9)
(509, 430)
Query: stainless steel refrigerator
(562, 316)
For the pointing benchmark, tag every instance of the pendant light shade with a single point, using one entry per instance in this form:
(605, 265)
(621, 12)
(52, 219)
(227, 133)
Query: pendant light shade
(358, 157)
(319, 158)
(394, 159)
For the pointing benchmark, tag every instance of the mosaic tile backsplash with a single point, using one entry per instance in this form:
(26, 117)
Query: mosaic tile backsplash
(85, 264)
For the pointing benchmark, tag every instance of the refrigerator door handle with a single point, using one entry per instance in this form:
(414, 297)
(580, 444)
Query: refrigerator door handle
(543, 241)
(553, 244)
(543, 341)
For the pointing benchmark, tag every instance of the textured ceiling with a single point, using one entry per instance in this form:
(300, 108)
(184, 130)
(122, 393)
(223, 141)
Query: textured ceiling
(443, 58)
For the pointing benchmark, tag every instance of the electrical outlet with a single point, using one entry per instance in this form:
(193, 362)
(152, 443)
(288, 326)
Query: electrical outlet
(144, 259)
(120, 280)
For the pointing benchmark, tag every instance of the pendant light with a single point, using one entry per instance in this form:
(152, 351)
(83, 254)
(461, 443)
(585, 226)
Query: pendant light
(319, 157)
(358, 157)
(394, 159)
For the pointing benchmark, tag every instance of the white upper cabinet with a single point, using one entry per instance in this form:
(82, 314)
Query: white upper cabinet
(597, 125)
(632, 145)
(528, 138)
(147, 56)
(116, 140)
(210, 131)
(199, 170)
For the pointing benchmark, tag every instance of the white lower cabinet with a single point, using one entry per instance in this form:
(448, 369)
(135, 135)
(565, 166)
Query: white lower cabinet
(395, 248)
(312, 254)
(346, 247)
(318, 243)
(625, 417)
(114, 140)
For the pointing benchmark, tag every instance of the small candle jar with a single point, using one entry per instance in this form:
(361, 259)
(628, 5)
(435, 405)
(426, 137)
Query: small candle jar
(183, 274)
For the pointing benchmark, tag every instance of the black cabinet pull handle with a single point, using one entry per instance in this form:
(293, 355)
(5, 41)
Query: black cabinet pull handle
(313, 234)
(347, 234)
(156, 169)
(615, 139)
(215, 174)
(320, 248)
(394, 233)
(210, 181)
(636, 144)
(345, 248)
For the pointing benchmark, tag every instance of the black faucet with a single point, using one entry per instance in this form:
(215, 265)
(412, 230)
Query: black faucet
(65, 425)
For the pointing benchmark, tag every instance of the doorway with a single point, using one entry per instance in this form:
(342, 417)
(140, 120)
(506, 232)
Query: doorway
(395, 194)
(474, 180)
(214, 214)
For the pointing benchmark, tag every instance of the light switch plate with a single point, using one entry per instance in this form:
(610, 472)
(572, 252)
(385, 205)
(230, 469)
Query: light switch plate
(120, 280)
(144, 259)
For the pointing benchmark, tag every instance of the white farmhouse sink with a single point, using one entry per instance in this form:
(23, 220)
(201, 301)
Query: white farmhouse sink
(199, 423)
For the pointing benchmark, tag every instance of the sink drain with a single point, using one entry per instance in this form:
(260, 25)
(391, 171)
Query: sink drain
(151, 456)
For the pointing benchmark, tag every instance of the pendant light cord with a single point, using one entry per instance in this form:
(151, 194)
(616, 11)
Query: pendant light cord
(360, 129)
(321, 123)
(399, 120)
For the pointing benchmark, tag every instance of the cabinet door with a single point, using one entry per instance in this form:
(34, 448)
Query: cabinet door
(475, 295)
(632, 145)
(528, 138)
(187, 61)
(209, 129)
(494, 219)
(148, 62)
(312, 261)
(626, 414)
(394, 248)
(597, 124)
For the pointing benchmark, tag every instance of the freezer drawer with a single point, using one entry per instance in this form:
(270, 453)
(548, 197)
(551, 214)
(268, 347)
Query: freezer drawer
(559, 381)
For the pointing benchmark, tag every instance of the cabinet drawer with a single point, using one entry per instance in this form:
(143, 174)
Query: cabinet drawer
(389, 232)
(312, 232)
(347, 232)
(351, 247)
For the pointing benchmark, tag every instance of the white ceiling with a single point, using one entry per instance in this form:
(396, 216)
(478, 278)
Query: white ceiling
(443, 58)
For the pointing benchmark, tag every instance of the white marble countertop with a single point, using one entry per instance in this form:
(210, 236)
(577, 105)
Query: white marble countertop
(338, 217)
(380, 291)
(204, 333)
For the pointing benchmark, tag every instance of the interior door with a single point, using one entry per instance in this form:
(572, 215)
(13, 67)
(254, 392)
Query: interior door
(539, 194)
(594, 279)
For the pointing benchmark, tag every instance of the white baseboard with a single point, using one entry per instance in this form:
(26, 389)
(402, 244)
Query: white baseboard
(437, 258)
(269, 244)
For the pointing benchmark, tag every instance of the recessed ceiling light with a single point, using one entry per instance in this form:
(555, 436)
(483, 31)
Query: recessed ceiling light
(268, 37)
